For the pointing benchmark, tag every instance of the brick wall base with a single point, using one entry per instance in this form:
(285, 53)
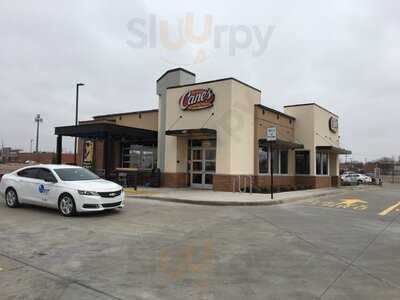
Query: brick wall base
(335, 182)
(224, 182)
(305, 181)
(279, 181)
(323, 181)
(174, 180)
(315, 182)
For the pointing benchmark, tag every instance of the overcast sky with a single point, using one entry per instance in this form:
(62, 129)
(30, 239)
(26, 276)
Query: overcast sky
(343, 55)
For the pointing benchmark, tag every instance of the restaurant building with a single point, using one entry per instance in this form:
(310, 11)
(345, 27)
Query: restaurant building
(212, 135)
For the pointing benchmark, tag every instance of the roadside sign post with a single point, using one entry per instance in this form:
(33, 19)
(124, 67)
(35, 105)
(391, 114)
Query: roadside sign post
(272, 171)
(271, 137)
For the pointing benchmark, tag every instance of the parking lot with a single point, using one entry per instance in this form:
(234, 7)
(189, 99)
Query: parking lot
(345, 246)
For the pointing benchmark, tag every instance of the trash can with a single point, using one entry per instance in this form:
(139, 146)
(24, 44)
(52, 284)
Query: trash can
(155, 179)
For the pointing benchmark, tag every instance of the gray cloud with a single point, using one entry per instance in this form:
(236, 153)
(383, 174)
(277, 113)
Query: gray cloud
(341, 54)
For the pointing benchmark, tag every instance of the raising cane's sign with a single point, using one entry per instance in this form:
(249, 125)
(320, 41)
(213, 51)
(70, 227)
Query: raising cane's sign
(197, 99)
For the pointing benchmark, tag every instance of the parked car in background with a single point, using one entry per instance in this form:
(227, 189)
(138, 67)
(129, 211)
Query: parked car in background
(349, 179)
(365, 178)
(346, 173)
(355, 178)
(69, 189)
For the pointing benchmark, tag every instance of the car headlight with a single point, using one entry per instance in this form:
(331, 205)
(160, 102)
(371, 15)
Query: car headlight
(87, 193)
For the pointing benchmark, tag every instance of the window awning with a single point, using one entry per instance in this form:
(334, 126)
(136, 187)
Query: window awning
(102, 130)
(333, 149)
(281, 144)
(191, 132)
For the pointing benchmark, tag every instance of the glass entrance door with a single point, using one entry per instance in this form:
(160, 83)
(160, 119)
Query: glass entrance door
(203, 165)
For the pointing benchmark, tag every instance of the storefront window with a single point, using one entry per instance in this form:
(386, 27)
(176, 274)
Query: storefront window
(147, 157)
(263, 160)
(275, 161)
(284, 162)
(303, 162)
(197, 154)
(209, 143)
(318, 163)
(325, 162)
(208, 178)
(196, 143)
(279, 161)
(322, 163)
(139, 156)
(134, 156)
(210, 154)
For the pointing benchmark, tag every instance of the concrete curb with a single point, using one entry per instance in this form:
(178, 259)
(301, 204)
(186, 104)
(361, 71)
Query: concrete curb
(253, 203)
(233, 203)
(208, 202)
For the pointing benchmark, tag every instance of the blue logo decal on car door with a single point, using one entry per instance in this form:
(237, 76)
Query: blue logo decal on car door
(42, 189)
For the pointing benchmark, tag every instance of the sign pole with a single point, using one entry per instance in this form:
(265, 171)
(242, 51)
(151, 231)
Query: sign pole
(272, 171)
(271, 137)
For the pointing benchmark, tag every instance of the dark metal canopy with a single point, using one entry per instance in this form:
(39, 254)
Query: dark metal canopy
(189, 132)
(333, 149)
(103, 130)
(281, 144)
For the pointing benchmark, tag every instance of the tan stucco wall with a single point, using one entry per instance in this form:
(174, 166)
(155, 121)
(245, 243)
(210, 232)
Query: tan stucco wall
(145, 120)
(171, 78)
(312, 129)
(242, 128)
(233, 120)
(323, 136)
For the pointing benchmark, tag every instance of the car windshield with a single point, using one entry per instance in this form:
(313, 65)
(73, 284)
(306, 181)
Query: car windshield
(75, 174)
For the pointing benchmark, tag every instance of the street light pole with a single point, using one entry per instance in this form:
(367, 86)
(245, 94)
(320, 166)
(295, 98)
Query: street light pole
(38, 120)
(76, 115)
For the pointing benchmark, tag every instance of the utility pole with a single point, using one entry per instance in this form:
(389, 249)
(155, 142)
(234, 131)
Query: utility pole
(31, 147)
(76, 115)
(2, 150)
(38, 120)
(393, 168)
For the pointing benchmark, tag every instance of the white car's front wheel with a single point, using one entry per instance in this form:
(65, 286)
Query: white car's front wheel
(66, 205)
(12, 198)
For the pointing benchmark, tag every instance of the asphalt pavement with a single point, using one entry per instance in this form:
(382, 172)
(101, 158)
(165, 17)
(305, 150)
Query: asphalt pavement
(342, 246)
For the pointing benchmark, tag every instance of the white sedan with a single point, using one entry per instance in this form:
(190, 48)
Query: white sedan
(356, 178)
(69, 189)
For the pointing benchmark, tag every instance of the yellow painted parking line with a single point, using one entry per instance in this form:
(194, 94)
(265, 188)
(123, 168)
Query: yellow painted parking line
(351, 202)
(1, 269)
(355, 204)
(390, 209)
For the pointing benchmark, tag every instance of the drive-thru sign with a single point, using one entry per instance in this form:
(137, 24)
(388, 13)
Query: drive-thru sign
(271, 134)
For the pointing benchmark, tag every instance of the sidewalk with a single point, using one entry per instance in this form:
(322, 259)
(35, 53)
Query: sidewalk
(208, 197)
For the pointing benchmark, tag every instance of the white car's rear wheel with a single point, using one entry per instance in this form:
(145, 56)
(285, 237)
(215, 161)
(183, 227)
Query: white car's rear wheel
(66, 205)
(12, 198)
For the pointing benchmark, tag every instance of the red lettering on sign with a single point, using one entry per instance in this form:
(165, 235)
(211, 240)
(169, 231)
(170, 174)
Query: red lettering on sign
(197, 99)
